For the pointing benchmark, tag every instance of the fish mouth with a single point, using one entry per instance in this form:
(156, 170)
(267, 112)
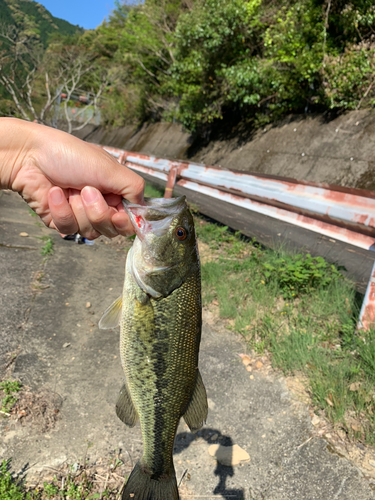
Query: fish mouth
(155, 215)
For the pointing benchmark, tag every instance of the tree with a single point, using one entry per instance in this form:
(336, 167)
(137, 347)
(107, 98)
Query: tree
(144, 37)
(42, 83)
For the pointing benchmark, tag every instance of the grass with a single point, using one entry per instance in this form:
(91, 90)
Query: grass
(151, 191)
(47, 248)
(302, 312)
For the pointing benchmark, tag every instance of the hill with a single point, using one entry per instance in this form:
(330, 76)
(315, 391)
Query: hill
(12, 12)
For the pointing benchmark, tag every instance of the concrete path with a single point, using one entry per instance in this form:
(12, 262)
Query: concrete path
(50, 341)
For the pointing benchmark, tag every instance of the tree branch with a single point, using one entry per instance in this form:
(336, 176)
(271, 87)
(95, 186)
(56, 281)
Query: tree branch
(11, 91)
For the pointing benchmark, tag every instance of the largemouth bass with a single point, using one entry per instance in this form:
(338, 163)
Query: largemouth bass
(160, 335)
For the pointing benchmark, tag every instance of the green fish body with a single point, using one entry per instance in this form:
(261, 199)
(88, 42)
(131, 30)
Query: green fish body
(160, 336)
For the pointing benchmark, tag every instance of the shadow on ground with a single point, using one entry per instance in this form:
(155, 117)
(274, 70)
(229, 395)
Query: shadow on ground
(185, 439)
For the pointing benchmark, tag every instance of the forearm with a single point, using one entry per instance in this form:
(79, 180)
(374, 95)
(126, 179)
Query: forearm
(16, 139)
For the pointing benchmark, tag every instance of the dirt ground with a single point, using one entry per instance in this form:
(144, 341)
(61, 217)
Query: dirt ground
(49, 310)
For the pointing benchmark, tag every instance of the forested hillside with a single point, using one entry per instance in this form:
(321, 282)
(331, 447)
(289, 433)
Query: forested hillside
(202, 61)
(13, 12)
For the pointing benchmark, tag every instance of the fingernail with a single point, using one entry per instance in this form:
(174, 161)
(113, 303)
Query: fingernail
(90, 195)
(57, 196)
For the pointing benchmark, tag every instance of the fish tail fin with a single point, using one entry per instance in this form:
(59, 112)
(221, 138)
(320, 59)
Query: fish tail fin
(140, 486)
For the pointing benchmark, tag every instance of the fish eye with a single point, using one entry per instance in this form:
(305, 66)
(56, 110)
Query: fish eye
(181, 233)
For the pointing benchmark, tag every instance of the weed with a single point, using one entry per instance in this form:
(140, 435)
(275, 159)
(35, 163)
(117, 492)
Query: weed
(50, 490)
(9, 490)
(47, 248)
(74, 482)
(9, 387)
(296, 274)
(32, 213)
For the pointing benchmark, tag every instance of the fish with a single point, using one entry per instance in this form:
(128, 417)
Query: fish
(160, 314)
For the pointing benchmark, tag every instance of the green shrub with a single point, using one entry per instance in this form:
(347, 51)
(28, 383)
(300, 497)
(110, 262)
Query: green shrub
(296, 274)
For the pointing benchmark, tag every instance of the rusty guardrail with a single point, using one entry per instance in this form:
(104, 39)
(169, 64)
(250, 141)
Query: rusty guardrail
(347, 215)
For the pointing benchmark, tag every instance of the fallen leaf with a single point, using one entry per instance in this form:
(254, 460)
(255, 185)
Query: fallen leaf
(258, 364)
(215, 302)
(329, 402)
(246, 360)
(315, 420)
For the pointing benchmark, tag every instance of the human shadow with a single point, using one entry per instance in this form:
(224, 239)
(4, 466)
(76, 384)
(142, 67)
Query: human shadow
(213, 436)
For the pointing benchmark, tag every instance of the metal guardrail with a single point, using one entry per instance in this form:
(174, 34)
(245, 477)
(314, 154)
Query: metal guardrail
(343, 214)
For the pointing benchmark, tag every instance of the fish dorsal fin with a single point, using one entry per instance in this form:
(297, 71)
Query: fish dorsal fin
(112, 315)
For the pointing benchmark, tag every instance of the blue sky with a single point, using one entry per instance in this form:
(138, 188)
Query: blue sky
(86, 13)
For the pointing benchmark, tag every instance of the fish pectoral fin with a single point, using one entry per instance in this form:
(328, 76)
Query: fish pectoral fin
(112, 315)
(125, 409)
(196, 413)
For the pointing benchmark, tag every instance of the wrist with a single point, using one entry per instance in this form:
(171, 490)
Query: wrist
(16, 140)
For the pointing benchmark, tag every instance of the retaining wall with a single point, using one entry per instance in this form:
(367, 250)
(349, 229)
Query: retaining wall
(315, 148)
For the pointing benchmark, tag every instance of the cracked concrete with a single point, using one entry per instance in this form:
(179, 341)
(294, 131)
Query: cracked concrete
(287, 460)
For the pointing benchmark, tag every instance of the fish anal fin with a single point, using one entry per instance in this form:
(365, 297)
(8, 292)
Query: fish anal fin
(112, 315)
(125, 408)
(196, 413)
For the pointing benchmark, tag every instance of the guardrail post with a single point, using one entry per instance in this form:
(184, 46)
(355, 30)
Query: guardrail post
(121, 159)
(367, 314)
(172, 176)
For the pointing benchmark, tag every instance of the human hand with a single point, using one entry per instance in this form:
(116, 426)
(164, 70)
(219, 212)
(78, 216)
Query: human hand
(72, 185)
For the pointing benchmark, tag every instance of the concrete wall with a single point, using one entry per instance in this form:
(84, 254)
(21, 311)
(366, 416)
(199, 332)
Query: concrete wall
(337, 151)
(166, 140)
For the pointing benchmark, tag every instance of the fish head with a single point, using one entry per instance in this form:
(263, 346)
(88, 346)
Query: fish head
(165, 252)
